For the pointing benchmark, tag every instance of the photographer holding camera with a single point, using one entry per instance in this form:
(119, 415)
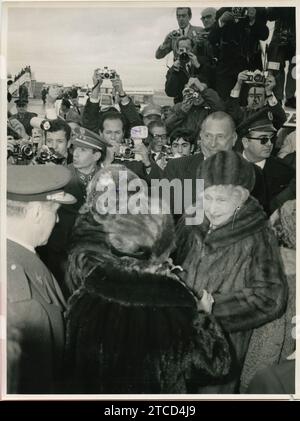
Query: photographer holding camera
(183, 15)
(23, 115)
(260, 101)
(198, 101)
(186, 65)
(282, 48)
(92, 113)
(236, 38)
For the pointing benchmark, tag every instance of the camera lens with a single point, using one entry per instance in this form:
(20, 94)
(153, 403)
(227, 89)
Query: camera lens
(184, 57)
(44, 156)
(106, 75)
(257, 78)
(27, 151)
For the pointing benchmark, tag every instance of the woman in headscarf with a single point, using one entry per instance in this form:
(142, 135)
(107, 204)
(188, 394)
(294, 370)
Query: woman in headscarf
(132, 326)
(232, 260)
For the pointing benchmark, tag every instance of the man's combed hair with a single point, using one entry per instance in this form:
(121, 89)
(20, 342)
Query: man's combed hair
(184, 38)
(183, 133)
(189, 10)
(59, 124)
(111, 115)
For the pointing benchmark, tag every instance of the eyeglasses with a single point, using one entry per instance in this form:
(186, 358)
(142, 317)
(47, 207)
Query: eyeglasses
(159, 136)
(206, 17)
(263, 140)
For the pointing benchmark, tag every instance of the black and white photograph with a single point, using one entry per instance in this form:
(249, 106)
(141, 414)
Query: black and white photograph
(149, 219)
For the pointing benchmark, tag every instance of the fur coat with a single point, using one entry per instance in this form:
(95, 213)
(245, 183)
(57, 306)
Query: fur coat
(240, 265)
(133, 331)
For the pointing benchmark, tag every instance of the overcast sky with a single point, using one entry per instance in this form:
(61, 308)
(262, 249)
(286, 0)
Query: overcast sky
(64, 45)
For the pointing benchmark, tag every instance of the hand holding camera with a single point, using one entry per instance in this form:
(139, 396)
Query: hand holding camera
(242, 77)
(118, 85)
(194, 60)
(194, 83)
(97, 81)
(188, 100)
(105, 73)
(270, 84)
(47, 156)
(254, 78)
(183, 56)
(18, 127)
(175, 34)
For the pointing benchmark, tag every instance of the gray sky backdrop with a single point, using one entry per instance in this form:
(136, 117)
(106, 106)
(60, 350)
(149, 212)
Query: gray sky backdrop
(65, 45)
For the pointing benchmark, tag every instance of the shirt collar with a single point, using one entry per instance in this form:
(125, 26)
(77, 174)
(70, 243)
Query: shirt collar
(260, 164)
(186, 29)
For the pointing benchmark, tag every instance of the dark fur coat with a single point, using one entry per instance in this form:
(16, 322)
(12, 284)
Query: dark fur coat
(132, 331)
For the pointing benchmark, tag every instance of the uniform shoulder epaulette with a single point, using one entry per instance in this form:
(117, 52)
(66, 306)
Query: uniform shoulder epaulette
(18, 288)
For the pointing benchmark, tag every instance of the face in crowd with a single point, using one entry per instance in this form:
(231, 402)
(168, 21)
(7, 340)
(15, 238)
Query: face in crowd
(22, 108)
(183, 17)
(221, 202)
(85, 159)
(256, 97)
(208, 19)
(150, 118)
(217, 135)
(158, 138)
(113, 133)
(258, 145)
(58, 141)
(181, 147)
(184, 45)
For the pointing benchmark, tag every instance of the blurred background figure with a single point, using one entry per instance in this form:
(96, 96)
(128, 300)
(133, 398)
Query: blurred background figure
(273, 343)
(281, 49)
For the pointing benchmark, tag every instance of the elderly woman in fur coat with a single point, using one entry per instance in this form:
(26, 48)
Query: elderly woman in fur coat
(232, 261)
(132, 325)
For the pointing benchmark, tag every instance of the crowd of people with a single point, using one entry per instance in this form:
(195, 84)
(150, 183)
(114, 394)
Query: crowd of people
(137, 302)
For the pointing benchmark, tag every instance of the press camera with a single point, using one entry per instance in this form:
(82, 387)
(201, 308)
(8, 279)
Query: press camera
(106, 73)
(239, 13)
(49, 155)
(21, 153)
(183, 55)
(256, 77)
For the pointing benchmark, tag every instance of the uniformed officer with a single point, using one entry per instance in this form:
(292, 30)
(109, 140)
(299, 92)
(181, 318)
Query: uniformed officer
(35, 302)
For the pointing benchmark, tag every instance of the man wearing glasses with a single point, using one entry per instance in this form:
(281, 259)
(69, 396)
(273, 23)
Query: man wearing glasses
(258, 145)
(208, 17)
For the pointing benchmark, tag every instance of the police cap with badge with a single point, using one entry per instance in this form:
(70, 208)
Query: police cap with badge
(39, 183)
(260, 121)
(85, 138)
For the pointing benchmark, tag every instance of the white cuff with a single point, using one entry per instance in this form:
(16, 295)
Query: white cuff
(235, 93)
